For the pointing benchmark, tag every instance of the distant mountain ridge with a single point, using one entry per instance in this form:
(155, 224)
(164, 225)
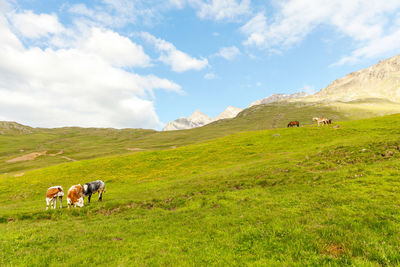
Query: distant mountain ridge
(279, 97)
(198, 119)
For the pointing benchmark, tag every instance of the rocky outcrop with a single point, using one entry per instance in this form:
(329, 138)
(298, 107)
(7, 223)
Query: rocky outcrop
(10, 127)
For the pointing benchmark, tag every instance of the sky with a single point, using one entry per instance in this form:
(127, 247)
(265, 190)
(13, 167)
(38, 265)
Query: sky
(142, 63)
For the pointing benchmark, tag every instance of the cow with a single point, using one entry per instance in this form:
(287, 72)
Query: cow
(75, 196)
(293, 123)
(92, 188)
(52, 194)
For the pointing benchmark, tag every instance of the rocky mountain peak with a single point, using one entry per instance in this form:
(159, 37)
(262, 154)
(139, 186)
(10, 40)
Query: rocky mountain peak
(381, 80)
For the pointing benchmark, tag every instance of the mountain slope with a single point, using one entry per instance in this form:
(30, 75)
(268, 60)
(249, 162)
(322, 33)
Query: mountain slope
(381, 80)
(85, 143)
(314, 196)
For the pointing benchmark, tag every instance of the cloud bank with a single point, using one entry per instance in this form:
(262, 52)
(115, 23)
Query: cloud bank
(85, 82)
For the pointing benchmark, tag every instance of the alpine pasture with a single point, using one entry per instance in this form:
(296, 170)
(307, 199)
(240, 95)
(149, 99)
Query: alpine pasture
(280, 197)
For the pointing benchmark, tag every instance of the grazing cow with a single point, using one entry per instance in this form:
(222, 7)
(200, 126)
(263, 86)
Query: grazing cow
(92, 188)
(75, 196)
(52, 194)
(320, 120)
(293, 123)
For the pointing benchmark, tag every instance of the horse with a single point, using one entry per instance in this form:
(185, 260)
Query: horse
(321, 120)
(293, 123)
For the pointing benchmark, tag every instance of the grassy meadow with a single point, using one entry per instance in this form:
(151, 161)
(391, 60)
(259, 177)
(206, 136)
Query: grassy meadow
(317, 196)
(68, 144)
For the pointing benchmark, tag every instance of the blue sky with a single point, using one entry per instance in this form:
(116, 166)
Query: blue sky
(140, 64)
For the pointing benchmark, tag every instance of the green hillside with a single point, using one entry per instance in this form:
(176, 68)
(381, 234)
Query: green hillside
(70, 144)
(292, 197)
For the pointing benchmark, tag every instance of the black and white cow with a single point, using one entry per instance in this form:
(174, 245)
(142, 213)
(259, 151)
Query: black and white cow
(92, 188)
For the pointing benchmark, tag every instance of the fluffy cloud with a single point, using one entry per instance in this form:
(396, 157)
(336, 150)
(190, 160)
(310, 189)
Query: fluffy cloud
(117, 50)
(85, 84)
(228, 53)
(33, 25)
(178, 60)
(364, 21)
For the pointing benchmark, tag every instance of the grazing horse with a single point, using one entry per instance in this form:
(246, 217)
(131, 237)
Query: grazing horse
(293, 123)
(321, 120)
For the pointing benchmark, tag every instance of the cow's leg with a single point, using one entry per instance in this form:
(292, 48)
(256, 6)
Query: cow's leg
(47, 202)
(100, 195)
(60, 202)
(89, 197)
(55, 202)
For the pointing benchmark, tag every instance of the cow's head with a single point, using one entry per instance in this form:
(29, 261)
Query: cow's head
(85, 189)
(79, 203)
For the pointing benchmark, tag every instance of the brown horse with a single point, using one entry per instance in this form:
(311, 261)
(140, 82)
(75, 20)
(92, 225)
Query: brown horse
(293, 123)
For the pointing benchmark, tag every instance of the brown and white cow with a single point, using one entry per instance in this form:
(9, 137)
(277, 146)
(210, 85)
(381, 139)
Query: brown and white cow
(52, 194)
(75, 196)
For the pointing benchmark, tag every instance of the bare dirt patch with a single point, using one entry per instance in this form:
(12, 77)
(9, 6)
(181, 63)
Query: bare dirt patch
(56, 154)
(19, 174)
(135, 149)
(67, 158)
(30, 156)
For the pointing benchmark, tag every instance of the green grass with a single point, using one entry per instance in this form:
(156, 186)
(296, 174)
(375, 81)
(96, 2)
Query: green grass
(298, 196)
(80, 143)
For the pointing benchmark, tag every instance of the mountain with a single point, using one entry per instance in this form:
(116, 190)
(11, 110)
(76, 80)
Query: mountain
(198, 119)
(278, 97)
(228, 113)
(379, 81)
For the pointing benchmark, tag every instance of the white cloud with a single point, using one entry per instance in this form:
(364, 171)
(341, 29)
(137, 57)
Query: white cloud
(33, 25)
(364, 21)
(178, 60)
(210, 76)
(216, 9)
(229, 53)
(81, 85)
(117, 50)
(222, 9)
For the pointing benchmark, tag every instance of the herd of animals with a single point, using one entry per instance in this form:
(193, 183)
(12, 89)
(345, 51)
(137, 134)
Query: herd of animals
(75, 194)
(319, 121)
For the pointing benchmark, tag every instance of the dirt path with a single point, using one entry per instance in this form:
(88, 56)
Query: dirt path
(34, 155)
(30, 156)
